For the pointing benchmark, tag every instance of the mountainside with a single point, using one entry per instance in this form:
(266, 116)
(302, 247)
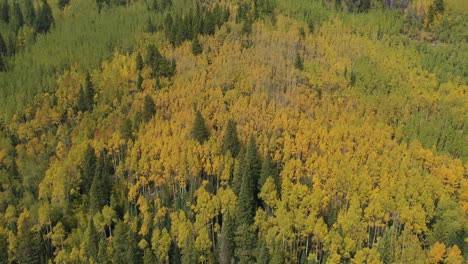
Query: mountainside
(263, 131)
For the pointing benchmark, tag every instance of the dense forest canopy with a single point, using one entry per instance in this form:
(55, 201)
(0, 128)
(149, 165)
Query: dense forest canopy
(234, 131)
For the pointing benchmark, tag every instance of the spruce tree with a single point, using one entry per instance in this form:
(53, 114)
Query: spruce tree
(199, 130)
(238, 172)
(263, 256)
(189, 253)
(88, 169)
(269, 169)
(45, 18)
(5, 11)
(30, 13)
(127, 129)
(101, 187)
(17, 19)
(29, 243)
(2, 64)
(231, 140)
(92, 241)
(3, 249)
(124, 244)
(139, 62)
(197, 48)
(103, 257)
(227, 244)
(139, 82)
(62, 3)
(298, 62)
(89, 93)
(149, 108)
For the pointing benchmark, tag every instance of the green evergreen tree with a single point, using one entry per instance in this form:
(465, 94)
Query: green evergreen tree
(189, 253)
(139, 82)
(45, 18)
(227, 244)
(103, 256)
(263, 256)
(139, 62)
(3, 249)
(5, 11)
(92, 241)
(149, 257)
(231, 140)
(238, 171)
(200, 131)
(17, 19)
(62, 3)
(89, 93)
(2, 64)
(101, 187)
(124, 244)
(88, 169)
(150, 27)
(269, 169)
(298, 62)
(197, 48)
(127, 129)
(29, 244)
(30, 13)
(11, 47)
(246, 243)
(149, 108)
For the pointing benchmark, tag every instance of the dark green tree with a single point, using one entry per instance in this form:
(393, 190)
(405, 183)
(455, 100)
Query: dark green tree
(62, 3)
(88, 169)
(200, 131)
(3, 249)
(149, 257)
(29, 244)
(17, 19)
(101, 187)
(11, 47)
(197, 48)
(139, 82)
(30, 13)
(45, 18)
(231, 140)
(269, 169)
(89, 93)
(124, 244)
(227, 244)
(298, 62)
(149, 108)
(263, 256)
(189, 253)
(150, 27)
(5, 11)
(238, 172)
(246, 243)
(127, 129)
(139, 62)
(2, 64)
(92, 240)
(103, 256)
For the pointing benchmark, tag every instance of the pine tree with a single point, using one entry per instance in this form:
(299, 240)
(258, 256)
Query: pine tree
(62, 3)
(227, 244)
(263, 256)
(189, 253)
(30, 13)
(3, 249)
(101, 187)
(231, 141)
(139, 82)
(269, 169)
(245, 243)
(127, 129)
(139, 62)
(2, 64)
(11, 47)
(238, 172)
(298, 62)
(199, 130)
(124, 244)
(103, 257)
(5, 11)
(29, 244)
(149, 257)
(45, 18)
(92, 241)
(17, 19)
(88, 169)
(197, 48)
(89, 93)
(149, 108)
(150, 27)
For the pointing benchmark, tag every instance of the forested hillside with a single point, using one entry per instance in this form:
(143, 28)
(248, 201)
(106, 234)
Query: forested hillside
(234, 131)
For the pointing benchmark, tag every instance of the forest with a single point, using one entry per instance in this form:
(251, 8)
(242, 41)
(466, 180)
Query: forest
(234, 131)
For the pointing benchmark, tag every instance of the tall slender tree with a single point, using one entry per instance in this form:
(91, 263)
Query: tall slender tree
(5, 11)
(231, 140)
(200, 131)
